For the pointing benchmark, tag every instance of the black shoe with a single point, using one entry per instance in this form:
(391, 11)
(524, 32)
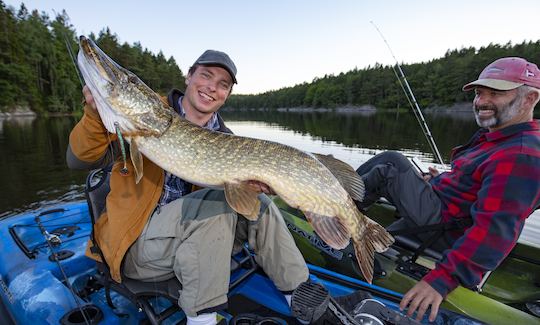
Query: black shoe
(309, 301)
(311, 304)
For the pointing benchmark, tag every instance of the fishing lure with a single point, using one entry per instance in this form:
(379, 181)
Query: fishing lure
(124, 170)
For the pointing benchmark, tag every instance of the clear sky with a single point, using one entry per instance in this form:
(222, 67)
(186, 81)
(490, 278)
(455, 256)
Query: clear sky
(280, 43)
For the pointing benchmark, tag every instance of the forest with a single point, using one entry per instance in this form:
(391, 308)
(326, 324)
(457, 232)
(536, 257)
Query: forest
(37, 72)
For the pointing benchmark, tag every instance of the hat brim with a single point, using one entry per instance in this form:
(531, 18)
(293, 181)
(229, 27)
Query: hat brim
(221, 65)
(492, 83)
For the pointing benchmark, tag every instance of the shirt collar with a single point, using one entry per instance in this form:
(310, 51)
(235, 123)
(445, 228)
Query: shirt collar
(511, 130)
(213, 122)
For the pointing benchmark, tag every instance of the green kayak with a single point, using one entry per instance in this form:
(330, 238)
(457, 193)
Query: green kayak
(509, 295)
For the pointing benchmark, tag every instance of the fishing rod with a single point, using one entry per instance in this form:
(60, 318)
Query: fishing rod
(74, 61)
(71, 54)
(53, 240)
(412, 101)
(81, 80)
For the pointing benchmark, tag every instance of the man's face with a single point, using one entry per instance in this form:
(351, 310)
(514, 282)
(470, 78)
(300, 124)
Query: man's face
(495, 109)
(207, 89)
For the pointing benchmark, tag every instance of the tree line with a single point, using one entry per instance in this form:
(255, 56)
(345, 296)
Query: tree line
(435, 83)
(36, 71)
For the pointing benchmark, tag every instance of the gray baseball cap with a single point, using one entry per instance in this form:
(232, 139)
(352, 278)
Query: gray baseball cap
(218, 58)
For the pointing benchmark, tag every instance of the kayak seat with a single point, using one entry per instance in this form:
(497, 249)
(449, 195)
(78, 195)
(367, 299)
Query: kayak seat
(406, 237)
(142, 293)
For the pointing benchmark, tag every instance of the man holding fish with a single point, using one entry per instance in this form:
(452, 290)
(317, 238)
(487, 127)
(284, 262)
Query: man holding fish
(162, 139)
(156, 226)
(494, 184)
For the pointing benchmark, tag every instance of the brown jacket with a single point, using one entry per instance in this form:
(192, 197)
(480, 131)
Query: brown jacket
(128, 205)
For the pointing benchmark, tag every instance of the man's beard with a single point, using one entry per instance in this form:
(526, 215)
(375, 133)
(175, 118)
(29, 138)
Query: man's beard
(502, 114)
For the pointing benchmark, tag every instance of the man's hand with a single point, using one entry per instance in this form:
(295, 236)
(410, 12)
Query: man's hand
(421, 297)
(88, 98)
(260, 187)
(432, 172)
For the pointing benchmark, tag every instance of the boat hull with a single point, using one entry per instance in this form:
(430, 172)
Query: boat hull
(38, 287)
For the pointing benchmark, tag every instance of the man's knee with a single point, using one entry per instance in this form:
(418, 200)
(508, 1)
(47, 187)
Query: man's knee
(387, 158)
(396, 160)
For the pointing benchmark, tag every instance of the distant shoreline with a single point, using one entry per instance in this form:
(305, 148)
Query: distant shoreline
(349, 109)
(459, 107)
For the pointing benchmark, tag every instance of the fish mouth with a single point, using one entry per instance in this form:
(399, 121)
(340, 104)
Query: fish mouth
(123, 101)
(102, 75)
(103, 65)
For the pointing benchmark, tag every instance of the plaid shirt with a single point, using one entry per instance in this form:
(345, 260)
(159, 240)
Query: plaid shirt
(495, 179)
(174, 187)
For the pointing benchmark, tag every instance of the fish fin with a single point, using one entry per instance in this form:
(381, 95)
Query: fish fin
(374, 239)
(345, 174)
(243, 200)
(331, 230)
(137, 160)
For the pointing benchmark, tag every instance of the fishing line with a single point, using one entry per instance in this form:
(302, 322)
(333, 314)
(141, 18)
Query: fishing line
(412, 101)
(70, 51)
(81, 79)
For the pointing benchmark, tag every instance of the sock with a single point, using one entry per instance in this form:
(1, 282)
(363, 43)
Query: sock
(288, 298)
(202, 319)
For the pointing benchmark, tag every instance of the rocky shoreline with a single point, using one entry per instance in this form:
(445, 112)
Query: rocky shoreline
(18, 112)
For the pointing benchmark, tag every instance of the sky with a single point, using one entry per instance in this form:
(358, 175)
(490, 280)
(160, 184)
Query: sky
(281, 43)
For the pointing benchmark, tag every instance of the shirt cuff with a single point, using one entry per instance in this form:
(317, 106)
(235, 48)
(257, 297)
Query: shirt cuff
(441, 281)
(92, 112)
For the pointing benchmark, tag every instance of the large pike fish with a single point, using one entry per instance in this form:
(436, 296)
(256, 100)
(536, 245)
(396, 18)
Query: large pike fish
(320, 186)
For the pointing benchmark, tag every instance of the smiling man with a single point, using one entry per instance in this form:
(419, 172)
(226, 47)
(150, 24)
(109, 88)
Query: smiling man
(494, 183)
(163, 227)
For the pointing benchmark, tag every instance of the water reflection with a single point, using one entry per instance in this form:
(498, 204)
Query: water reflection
(306, 142)
(389, 130)
(32, 163)
(33, 172)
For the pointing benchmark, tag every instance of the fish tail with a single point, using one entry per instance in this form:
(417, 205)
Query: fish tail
(374, 239)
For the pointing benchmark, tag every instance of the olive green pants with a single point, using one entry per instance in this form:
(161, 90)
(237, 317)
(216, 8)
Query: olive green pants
(192, 238)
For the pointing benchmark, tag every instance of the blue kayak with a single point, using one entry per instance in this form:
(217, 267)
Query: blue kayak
(46, 278)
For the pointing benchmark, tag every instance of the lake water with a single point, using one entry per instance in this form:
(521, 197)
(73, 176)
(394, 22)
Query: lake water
(33, 172)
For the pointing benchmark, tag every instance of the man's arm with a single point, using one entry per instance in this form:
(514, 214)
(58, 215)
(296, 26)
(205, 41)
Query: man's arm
(508, 194)
(89, 140)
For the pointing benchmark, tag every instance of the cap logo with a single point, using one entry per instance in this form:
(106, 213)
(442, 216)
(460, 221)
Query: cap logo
(494, 70)
(528, 73)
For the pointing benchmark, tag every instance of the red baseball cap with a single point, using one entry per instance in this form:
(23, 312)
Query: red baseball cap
(506, 74)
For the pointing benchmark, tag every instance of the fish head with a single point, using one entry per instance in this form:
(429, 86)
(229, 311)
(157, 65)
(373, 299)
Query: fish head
(122, 99)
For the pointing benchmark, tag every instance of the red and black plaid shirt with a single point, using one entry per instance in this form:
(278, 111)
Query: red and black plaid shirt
(495, 179)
